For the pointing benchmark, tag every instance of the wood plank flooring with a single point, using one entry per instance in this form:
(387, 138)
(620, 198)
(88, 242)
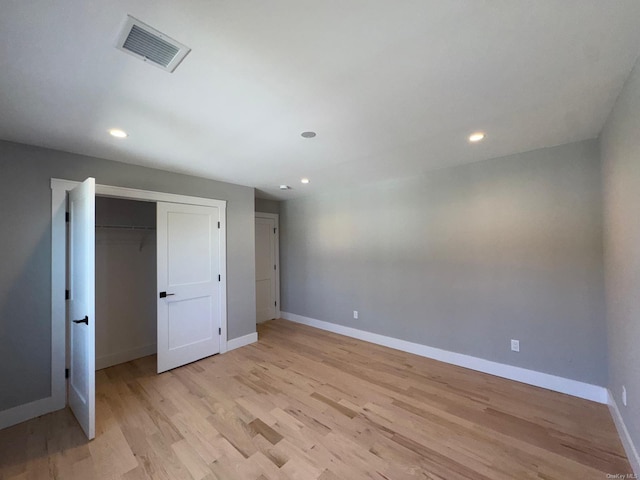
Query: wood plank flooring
(307, 404)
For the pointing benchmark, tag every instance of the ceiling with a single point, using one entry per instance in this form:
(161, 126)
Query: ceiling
(392, 88)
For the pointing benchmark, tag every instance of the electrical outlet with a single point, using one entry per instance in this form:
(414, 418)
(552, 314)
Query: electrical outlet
(355, 314)
(515, 345)
(624, 395)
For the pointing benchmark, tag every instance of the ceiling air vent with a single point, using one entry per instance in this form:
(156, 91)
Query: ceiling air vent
(150, 45)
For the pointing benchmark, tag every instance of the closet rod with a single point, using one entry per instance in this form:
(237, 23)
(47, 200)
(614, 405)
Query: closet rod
(126, 227)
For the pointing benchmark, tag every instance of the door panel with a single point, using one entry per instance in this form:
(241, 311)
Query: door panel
(265, 271)
(189, 256)
(198, 328)
(81, 305)
(189, 316)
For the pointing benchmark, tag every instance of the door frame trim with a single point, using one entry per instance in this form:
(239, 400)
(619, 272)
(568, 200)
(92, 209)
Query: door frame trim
(276, 218)
(59, 188)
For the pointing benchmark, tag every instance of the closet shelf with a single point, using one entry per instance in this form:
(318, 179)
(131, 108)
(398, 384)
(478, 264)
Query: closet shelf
(126, 227)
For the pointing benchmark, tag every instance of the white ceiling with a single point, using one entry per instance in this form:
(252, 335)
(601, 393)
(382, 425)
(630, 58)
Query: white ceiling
(392, 88)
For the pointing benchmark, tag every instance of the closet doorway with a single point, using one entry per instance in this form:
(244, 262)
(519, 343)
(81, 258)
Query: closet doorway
(126, 310)
(188, 283)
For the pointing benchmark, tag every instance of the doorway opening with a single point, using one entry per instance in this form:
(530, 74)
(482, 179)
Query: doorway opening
(126, 310)
(189, 285)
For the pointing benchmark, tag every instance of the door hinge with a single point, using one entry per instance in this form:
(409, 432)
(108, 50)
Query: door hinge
(274, 267)
(218, 224)
(274, 231)
(66, 217)
(275, 304)
(66, 373)
(218, 277)
(66, 295)
(220, 331)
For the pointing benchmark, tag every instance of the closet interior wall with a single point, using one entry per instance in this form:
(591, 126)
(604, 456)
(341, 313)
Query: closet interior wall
(126, 319)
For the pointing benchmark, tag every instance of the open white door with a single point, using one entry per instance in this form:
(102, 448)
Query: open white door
(189, 301)
(81, 305)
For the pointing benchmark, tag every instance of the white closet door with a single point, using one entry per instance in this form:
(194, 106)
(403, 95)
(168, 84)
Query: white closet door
(189, 293)
(266, 269)
(81, 305)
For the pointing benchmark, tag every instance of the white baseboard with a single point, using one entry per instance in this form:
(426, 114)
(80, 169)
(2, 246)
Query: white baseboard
(627, 442)
(25, 412)
(242, 341)
(125, 356)
(531, 377)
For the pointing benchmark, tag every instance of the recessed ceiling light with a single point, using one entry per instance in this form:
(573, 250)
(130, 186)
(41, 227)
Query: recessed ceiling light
(116, 132)
(285, 187)
(305, 180)
(476, 137)
(308, 134)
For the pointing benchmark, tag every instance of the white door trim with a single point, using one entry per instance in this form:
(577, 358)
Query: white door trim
(276, 218)
(59, 189)
(150, 196)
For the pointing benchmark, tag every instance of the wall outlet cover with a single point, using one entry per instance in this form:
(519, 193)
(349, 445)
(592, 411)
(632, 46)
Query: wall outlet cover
(515, 345)
(355, 314)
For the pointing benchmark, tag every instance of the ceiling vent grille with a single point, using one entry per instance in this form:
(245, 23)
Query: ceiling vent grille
(150, 45)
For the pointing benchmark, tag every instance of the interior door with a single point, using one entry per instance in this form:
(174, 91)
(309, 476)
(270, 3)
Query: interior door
(81, 305)
(189, 302)
(265, 269)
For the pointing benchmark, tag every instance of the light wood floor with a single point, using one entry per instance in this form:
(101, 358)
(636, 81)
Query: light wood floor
(307, 404)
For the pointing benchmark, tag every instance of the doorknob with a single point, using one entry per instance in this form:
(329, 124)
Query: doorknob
(85, 320)
(165, 294)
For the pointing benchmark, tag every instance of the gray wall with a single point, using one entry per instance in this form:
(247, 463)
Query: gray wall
(463, 259)
(620, 146)
(25, 243)
(267, 206)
